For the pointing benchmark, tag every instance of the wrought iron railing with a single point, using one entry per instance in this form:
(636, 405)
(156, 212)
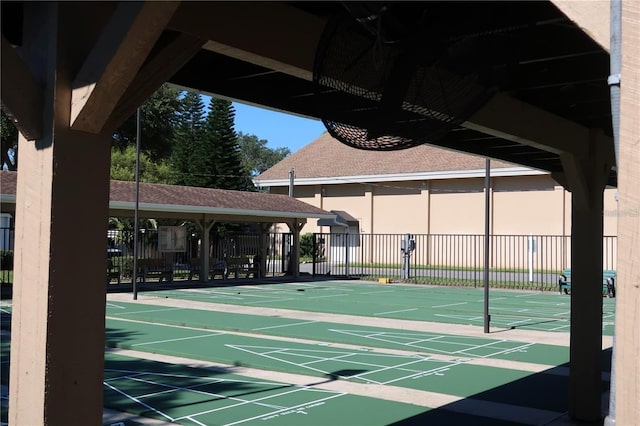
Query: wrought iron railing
(516, 261)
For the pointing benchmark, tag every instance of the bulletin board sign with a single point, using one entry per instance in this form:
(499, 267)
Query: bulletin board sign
(172, 239)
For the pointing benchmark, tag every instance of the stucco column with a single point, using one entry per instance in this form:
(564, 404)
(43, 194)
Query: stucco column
(627, 352)
(586, 175)
(586, 310)
(57, 334)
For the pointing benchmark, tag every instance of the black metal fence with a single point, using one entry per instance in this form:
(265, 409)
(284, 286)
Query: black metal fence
(515, 261)
(121, 251)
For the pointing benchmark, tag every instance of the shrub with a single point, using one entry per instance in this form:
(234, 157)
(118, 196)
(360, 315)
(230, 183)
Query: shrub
(6, 260)
(306, 245)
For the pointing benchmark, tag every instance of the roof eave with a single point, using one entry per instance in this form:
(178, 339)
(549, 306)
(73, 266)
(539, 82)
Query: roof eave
(399, 177)
(213, 211)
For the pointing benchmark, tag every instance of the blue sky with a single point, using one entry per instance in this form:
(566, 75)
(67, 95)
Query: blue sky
(279, 129)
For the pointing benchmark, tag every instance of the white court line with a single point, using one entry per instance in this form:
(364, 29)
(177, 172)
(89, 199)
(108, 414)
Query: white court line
(274, 358)
(113, 305)
(133, 373)
(175, 340)
(450, 304)
(268, 301)
(479, 346)
(328, 295)
(139, 402)
(201, 392)
(283, 325)
(286, 409)
(195, 421)
(427, 372)
(377, 292)
(395, 312)
(150, 310)
(527, 295)
(333, 358)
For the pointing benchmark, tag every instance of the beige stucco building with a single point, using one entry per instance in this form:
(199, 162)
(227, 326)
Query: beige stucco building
(426, 190)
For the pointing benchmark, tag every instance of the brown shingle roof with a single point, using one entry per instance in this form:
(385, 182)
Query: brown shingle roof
(327, 157)
(124, 192)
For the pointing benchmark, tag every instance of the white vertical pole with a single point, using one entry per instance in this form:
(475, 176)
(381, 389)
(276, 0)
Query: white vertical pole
(530, 256)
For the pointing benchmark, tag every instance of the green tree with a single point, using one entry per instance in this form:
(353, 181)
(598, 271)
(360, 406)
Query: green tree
(9, 146)
(225, 166)
(257, 156)
(123, 167)
(188, 138)
(159, 116)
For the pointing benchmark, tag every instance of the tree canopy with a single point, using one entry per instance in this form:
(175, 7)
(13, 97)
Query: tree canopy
(159, 117)
(256, 156)
(9, 146)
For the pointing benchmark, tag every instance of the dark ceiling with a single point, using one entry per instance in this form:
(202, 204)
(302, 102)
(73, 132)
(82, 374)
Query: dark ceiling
(544, 59)
(539, 56)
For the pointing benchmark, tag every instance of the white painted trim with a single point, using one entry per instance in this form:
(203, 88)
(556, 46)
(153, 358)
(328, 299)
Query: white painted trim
(174, 208)
(400, 177)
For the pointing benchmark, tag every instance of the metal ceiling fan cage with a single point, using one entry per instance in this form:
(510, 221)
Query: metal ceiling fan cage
(402, 89)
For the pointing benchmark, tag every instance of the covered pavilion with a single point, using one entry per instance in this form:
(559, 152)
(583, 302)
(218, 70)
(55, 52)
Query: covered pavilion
(72, 72)
(203, 206)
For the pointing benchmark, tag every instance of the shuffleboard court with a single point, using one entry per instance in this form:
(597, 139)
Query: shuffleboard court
(191, 396)
(508, 309)
(428, 343)
(453, 377)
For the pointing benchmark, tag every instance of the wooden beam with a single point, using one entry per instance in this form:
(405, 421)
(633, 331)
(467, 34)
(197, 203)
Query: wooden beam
(287, 41)
(22, 94)
(280, 25)
(508, 118)
(159, 68)
(115, 60)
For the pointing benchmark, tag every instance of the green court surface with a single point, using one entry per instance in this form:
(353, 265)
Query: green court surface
(193, 396)
(479, 374)
(454, 377)
(508, 309)
(423, 342)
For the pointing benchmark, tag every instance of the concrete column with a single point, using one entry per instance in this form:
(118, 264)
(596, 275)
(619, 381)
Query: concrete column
(586, 175)
(627, 359)
(57, 336)
(585, 385)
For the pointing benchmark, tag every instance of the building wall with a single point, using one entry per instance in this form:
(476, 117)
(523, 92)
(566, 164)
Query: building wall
(457, 206)
(397, 204)
(527, 205)
(520, 205)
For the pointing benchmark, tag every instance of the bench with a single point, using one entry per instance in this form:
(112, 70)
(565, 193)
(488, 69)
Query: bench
(113, 272)
(155, 268)
(608, 282)
(215, 268)
(240, 265)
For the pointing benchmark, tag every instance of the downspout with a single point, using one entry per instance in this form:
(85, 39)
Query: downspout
(614, 85)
